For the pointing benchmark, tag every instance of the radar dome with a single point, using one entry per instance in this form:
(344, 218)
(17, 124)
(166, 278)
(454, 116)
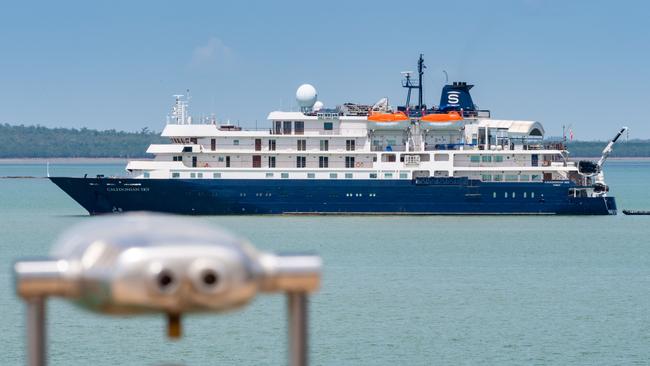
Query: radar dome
(306, 96)
(317, 106)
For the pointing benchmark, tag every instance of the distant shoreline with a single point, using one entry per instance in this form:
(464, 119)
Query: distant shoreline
(43, 161)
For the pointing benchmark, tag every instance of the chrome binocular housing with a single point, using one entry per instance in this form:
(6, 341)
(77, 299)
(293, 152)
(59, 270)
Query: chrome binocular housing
(143, 263)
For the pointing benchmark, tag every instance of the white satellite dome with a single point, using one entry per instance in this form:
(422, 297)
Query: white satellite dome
(306, 96)
(317, 106)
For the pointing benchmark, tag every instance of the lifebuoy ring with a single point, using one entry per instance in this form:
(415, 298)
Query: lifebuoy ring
(358, 164)
(206, 165)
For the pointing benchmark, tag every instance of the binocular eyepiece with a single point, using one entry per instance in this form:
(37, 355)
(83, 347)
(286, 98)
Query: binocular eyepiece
(142, 263)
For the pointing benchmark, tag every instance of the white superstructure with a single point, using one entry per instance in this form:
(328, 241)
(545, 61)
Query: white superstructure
(340, 143)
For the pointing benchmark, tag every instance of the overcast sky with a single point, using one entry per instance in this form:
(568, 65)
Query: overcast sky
(115, 64)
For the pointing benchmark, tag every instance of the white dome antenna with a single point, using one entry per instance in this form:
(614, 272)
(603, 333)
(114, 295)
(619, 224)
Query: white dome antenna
(306, 97)
(317, 106)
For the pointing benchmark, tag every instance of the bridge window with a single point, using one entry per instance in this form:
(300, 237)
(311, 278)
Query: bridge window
(286, 127)
(299, 127)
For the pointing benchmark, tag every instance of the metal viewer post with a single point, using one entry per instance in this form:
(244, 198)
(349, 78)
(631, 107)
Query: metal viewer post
(142, 263)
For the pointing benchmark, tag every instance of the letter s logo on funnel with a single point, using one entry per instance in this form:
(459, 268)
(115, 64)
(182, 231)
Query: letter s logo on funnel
(453, 97)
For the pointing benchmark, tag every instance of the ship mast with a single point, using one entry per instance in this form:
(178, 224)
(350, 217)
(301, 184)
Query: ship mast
(409, 84)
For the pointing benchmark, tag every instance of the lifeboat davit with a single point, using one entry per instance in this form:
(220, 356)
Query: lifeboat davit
(441, 120)
(393, 121)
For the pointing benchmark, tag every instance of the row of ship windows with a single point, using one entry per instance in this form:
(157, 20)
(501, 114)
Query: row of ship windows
(301, 145)
(286, 175)
(511, 177)
(486, 158)
(267, 194)
(514, 195)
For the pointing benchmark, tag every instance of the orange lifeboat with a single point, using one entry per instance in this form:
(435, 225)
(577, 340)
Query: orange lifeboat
(442, 117)
(388, 121)
(388, 117)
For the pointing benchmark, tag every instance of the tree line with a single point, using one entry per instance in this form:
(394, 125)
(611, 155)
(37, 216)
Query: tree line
(43, 142)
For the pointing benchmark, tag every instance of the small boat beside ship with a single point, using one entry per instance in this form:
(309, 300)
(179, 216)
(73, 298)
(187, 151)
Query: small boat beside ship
(452, 158)
(636, 212)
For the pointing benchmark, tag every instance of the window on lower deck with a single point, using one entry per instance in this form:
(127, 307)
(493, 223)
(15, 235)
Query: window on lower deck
(349, 161)
(388, 175)
(176, 175)
(145, 174)
(348, 175)
(311, 175)
(269, 175)
(216, 175)
(475, 159)
(373, 175)
(284, 175)
(333, 175)
(498, 158)
(486, 177)
(403, 175)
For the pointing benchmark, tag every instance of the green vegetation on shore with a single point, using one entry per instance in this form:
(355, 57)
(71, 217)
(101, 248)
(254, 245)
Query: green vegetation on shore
(43, 142)
(622, 149)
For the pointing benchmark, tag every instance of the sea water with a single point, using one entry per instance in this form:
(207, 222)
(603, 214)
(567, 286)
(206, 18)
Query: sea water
(417, 290)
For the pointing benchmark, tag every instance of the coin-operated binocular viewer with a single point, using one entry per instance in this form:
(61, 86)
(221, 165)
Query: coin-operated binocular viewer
(142, 263)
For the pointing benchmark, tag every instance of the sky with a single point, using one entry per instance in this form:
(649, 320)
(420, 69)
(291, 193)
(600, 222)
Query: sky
(116, 64)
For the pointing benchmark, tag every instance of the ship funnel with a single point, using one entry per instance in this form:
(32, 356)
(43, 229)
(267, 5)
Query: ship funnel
(456, 96)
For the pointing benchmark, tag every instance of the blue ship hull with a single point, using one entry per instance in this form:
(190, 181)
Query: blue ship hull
(309, 196)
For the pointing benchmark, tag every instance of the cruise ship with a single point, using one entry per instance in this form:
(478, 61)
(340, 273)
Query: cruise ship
(452, 158)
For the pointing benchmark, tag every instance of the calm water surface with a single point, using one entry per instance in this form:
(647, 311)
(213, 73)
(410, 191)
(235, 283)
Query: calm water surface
(396, 290)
